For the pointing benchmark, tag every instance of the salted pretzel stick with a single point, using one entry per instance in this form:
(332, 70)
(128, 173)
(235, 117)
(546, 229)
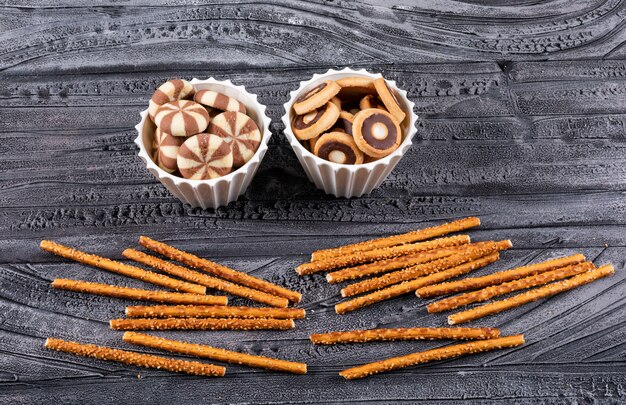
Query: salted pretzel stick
(531, 295)
(377, 335)
(499, 277)
(205, 280)
(135, 359)
(199, 311)
(137, 293)
(201, 324)
(395, 263)
(380, 254)
(121, 268)
(505, 288)
(213, 353)
(219, 270)
(420, 270)
(410, 286)
(440, 353)
(409, 237)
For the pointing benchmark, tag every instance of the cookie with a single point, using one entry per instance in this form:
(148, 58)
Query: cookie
(316, 97)
(182, 118)
(315, 122)
(171, 90)
(343, 123)
(389, 99)
(165, 150)
(204, 156)
(218, 100)
(355, 86)
(371, 101)
(338, 147)
(336, 101)
(376, 132)
(240, 131)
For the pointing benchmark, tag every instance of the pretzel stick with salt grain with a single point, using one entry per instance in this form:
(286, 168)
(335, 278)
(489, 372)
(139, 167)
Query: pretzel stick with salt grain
(121, 268)
(205, 280)
(531, 295)
(424, 269)
(440, 353)
(219, 270)
(409, 237)
(200, 311)
(499, 277)
(380, 254)
(410, 286)
(395, 263)
(201, 324)
(135, 359)
(377, 335)
(505, 288)
(213, 353)
(108, 290)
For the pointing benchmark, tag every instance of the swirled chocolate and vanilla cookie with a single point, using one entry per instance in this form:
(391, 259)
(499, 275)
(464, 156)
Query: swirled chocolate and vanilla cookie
(316, 97)
(315, 122)
(389, 99)
(165, 150)
(204, 156)
(338, 147)
(343, 123)
(182, 118)
(376, 132)
(219, 101)
(371, 101)
(240, 131)
(169, 91)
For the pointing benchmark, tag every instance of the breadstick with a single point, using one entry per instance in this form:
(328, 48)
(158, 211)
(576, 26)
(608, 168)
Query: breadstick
(395, 263)
(219, 270)
(499, 277)
(410, 286)
(121, 268)
(440, 353)
(377, 335)
(137, 293)
(201, 324)
(505, 288)
(409, 237)
(213, 353)
(414, 272)
(199, 311)
(531, 295)
(380, 254)
(205, 280)
(135, 359)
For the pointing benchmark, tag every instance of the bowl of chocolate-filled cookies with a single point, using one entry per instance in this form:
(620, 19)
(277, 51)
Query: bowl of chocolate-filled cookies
(349, 129)
(203, 139)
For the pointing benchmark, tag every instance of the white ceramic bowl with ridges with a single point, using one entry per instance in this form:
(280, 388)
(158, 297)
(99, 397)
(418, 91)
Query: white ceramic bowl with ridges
(215, 192)
(343, 180)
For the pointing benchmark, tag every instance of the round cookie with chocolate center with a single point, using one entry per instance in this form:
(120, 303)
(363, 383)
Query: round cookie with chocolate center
(376, 132)
(389, 99)
(316, 97)
(204, 156)
(240, 131)
(315, 122)
(338, 147)
(343, 123)
(182, 118)
(165, 150)
(219, 101)
(171, 90)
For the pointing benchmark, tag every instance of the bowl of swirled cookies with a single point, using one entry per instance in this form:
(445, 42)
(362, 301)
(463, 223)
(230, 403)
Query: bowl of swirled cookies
(203, 139)
(349, 129)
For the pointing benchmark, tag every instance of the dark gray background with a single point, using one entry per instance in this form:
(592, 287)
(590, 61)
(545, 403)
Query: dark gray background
(523, 108)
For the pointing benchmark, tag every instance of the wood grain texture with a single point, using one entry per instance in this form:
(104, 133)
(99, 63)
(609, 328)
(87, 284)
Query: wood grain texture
(522, 109)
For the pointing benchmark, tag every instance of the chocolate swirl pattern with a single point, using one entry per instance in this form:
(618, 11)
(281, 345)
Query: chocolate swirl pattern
(169, 91)
(240, 131)
(219, 101)
(182, 118)
(165, 150)
(204, 156)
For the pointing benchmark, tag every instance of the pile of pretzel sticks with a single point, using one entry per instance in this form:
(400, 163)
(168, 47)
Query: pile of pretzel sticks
(188, 308)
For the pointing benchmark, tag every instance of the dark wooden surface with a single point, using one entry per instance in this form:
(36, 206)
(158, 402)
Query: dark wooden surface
(523, 108)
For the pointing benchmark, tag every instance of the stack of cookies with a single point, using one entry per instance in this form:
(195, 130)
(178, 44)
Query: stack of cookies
(352, 120)
(200, 134)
